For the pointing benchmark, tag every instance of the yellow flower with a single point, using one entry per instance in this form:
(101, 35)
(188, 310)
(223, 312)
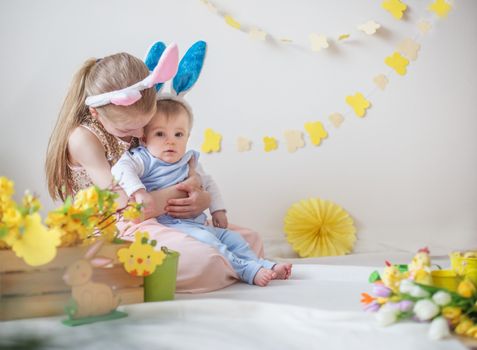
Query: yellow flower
(466, 289)
(37, 244)
(463, 326)
(6, 187)
(471, 332)
(317, 227)
(12, 217)
(31, 202)
(132, 212)
(108, 228)
(87, 198)
(452, 313)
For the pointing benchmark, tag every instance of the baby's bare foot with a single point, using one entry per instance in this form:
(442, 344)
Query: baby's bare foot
(263, 277)
(283, 271)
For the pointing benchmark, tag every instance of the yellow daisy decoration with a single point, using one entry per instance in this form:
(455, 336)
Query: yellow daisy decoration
(317, 227)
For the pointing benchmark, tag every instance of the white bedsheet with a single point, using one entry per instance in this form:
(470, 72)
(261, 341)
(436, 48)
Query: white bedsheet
(318, 309)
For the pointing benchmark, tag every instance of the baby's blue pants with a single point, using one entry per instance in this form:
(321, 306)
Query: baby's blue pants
(230, 244)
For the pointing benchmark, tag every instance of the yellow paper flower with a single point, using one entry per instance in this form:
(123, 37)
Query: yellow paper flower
(316, 131)
(359, 103)
(394, 7)
(317, 227)
(440, 7)
(231, 22)
(269, 144)
(37, 244)
(211, 142)
(397, 62)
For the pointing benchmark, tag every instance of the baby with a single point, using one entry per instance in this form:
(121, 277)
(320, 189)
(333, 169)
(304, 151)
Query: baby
(164, 162)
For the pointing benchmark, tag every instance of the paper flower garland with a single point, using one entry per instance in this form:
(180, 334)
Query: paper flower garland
(317, 41)
(316, 227)
(406, 51)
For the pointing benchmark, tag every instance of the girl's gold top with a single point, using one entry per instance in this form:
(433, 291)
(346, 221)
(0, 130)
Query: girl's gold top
(114, 147)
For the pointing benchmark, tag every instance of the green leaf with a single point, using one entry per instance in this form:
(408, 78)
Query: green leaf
(374, 277)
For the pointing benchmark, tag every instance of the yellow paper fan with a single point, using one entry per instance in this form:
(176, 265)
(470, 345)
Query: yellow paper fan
(317, 227)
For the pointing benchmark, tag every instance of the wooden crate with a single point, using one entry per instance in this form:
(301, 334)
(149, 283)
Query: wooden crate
(28, 291)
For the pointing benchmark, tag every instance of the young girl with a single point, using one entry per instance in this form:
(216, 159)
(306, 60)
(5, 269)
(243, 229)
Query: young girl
(164, 162)
(107, 106)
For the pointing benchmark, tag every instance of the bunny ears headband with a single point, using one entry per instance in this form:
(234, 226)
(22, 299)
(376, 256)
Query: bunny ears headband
(162, 61)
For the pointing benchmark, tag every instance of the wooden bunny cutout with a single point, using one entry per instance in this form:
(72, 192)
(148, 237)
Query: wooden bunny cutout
(90, 298)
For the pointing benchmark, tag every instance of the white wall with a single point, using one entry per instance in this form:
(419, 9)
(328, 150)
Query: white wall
(406, 172)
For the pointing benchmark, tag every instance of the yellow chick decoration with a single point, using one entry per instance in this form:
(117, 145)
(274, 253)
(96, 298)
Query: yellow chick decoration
(140, 258)
(392, 277)
(420, 267)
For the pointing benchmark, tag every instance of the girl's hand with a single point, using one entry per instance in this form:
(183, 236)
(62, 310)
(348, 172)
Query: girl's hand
(219, 219)
(196, 202)
(149, 205)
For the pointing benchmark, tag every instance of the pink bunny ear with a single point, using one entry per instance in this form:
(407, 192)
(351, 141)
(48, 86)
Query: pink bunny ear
(126, 98)
(93, 250)
(166, 68)
(100, 261)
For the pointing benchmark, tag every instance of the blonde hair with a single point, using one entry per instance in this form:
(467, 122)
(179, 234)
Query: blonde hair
(94, 77)
(171, 107)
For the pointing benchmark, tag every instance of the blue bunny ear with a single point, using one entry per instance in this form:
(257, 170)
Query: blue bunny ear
(152, 58)
(189, 68)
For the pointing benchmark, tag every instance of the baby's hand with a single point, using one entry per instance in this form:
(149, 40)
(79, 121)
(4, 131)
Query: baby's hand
(219, 219)
(148, 204)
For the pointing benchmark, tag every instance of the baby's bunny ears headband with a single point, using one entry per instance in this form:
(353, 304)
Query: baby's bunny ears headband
(162, 61)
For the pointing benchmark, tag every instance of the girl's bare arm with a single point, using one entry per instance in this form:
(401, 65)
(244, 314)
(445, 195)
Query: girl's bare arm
(86, 150)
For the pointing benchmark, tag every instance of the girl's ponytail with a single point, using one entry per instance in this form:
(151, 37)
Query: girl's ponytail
(71, 115)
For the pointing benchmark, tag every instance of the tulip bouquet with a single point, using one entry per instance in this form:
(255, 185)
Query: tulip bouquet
(408, 292)
(91, 214)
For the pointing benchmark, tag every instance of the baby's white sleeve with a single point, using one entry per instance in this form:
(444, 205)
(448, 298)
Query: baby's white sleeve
(127, 171)
(216, 201)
